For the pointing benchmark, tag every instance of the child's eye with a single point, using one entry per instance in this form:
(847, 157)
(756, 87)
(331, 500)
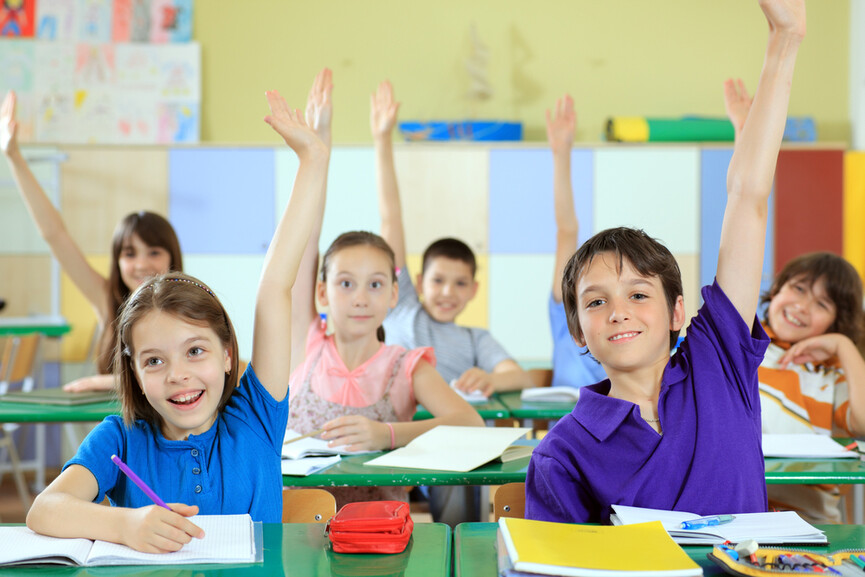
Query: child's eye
(152, 362)
(437, 280)
(799, 288)
(595, 303)
(345, 283)
(462, 283)
(640, 296)
(196, 351)
(375, 284)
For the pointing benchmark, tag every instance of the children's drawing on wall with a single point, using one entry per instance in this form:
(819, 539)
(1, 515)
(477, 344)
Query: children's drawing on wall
(178, 122)
(56, 20)
(54, 117)
(131, 21)
(135, 119)
(94, 20)
(16, 64)
(477, 65)
(55, 67)
(137, 67)
(179, 67)
(170, 21)
(104, 93)
(94, 64)
(94, 115)
(16, 18)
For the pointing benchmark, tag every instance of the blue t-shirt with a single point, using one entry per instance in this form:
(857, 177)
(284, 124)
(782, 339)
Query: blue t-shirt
(232, 468)
(572, 365)
(709, 459)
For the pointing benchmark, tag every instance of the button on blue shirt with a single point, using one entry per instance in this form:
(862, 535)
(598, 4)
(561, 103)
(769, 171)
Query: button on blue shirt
(232, 468)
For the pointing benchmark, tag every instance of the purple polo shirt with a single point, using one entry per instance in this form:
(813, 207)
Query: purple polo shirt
(709, 459)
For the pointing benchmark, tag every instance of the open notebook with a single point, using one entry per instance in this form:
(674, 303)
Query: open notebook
(311, 447)
(804, 446)
(228, 539)
(437, 449)
(550, 395)
(782, 527)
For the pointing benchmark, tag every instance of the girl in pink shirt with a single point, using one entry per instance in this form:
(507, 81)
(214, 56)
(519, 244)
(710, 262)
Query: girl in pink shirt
(362, 392)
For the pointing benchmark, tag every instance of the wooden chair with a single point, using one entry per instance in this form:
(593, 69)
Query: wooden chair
(510, 501)
(307, 506)
(17, 364)
(541, 377)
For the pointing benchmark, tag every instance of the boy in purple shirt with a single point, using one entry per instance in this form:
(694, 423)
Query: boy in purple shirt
(683, 432)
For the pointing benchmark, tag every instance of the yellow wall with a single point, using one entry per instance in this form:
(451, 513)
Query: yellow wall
(617, 57)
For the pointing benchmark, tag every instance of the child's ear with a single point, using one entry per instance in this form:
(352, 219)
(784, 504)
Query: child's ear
(475, 286)
(677, 318)
(418, 282)
(394, 298)
(227, 361)
(321, 293)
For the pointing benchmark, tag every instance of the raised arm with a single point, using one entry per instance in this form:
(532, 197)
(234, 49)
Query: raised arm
(737, 103)
(272, 334)
(319, 112)
(752, 168)
(560, 134)
(382, 118)
(92, 284)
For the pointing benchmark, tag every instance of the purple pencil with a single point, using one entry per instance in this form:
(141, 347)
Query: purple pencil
(137, 480)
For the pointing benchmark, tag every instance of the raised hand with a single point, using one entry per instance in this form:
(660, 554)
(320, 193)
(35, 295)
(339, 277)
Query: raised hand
(291, 126)
(357, 433)
(562, 124)
(382, 110)
(737, 103)
(319, 107)
(154, 529)
(785, 16)
(8, 126)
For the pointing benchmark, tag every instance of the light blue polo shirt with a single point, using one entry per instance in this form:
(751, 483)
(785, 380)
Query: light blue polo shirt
(232, 468)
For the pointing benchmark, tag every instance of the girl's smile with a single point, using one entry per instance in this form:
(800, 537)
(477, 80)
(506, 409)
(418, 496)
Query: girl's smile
(181, 370)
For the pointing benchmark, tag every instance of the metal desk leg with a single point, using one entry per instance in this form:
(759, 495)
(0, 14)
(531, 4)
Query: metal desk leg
(858, 503)
(485, 503)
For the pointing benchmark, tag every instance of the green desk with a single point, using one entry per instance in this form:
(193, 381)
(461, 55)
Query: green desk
(351, 472)
(475, 548)
(521, 410)
(492, 409)
(815, 472)
(299, 549)
(50, 326)
(36, 413)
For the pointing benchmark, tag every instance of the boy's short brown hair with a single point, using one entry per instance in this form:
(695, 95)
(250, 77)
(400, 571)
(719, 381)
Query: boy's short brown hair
(451, 248)
(648, 256)
(843, 286)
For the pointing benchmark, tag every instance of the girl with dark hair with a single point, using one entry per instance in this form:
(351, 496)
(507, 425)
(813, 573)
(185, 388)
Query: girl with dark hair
(362, 392)
(144, 245)
(202, 441)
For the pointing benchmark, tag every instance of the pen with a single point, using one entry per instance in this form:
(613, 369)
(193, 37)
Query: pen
(309, 434)
(707, 522)
(141, 484)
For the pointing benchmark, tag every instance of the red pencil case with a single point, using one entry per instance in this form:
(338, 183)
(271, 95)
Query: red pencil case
(371, 527)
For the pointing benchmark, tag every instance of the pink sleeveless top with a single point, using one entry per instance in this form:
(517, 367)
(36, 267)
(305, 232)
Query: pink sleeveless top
(322, 389)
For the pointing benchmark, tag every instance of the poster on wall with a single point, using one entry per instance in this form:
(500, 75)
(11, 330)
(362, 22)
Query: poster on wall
(17, 18)
(104, 93)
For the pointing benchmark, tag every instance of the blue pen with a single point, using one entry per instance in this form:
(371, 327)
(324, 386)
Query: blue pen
(707, 522)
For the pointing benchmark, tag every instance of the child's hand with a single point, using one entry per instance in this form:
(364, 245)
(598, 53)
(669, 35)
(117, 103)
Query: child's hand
(356, 433)
(319, 108)
(154, 529)
(785, 16)
(382, 111)
(561, 127)
(813, 349)
(475, 379)
(292, 127)
(737, 103)
(8, 126)
(86, 384)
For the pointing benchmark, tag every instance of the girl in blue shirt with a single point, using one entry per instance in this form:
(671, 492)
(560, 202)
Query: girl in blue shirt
(199, 439)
